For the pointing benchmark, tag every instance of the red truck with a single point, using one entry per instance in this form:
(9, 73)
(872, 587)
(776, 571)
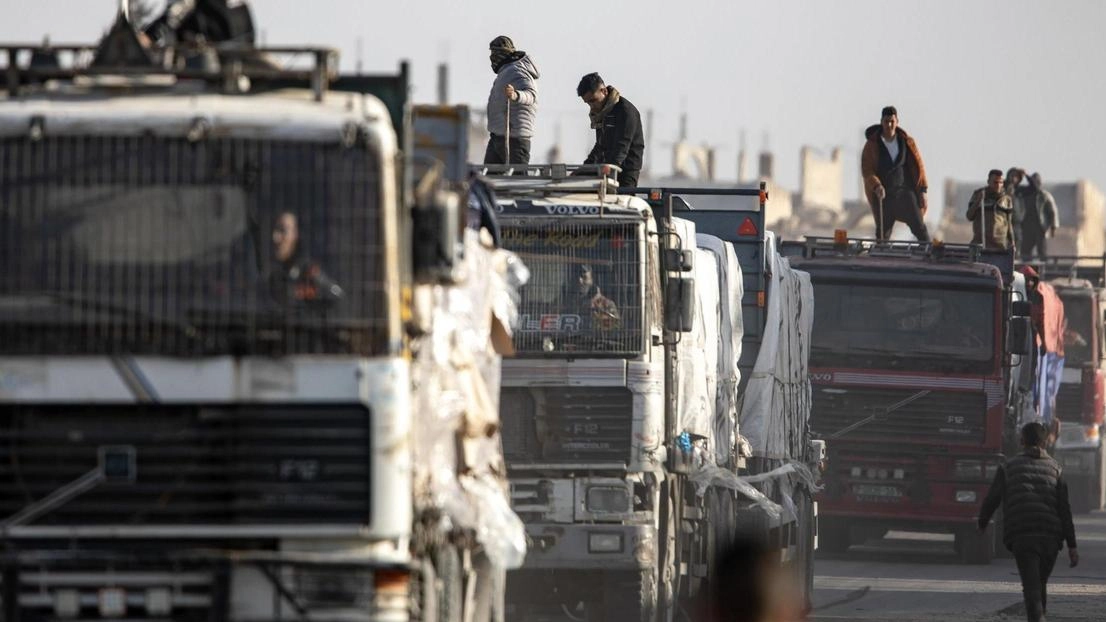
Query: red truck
(913, 363)
(1081, 284)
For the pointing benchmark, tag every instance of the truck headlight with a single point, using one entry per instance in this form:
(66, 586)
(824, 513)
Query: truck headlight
(604, 543)
(965, 496)
(607, 500)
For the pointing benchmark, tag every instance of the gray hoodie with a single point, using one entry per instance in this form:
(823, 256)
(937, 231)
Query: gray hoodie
(523, 75)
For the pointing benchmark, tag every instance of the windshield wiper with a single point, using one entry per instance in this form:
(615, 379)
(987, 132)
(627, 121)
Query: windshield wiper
(886, 411)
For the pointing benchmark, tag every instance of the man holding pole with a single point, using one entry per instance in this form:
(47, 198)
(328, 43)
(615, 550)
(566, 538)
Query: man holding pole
(990, 211)
(894, 177)
(512, 104)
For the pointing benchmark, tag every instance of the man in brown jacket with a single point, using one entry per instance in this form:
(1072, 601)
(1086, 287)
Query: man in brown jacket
(894, 177)
(998, 209)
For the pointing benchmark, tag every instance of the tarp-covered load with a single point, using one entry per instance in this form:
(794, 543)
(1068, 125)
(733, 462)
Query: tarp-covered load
(697, 351)
(775, 409)
(456, 373)
(732, 329)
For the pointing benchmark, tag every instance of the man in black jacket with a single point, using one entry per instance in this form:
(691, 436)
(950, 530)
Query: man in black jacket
(617, 124)
(1036, 516)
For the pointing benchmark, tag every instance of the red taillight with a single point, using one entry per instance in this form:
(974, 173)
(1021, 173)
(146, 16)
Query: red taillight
(1093, 385)
(748, 227)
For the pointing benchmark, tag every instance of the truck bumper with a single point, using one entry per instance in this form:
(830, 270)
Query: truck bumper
(592, 546)
(216, 586)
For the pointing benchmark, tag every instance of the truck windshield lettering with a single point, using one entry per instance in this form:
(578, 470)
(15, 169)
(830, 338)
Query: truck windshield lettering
(584, 293)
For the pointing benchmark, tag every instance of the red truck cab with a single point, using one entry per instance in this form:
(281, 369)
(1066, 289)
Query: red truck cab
(909, 369)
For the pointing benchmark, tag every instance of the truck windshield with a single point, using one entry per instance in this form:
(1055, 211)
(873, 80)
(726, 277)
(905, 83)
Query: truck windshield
(1079, 332)
(156, 245)
(584, 295)
(903, 328)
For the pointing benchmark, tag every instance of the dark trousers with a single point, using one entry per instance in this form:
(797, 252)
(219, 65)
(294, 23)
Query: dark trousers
(496, 153)
(628, 179)
(1033, 238)
(1035, 556)
(900, 205)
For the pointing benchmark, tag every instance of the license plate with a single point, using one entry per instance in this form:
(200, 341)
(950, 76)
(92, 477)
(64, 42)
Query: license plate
(871, 490)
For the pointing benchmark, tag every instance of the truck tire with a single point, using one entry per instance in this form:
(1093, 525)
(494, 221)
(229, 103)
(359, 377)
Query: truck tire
(974, 547)
(834, 535)
(630, 596)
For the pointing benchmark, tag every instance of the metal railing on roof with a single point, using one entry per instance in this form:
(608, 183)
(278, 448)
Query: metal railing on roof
(548, 179)
(936, 252)
(1091, 268)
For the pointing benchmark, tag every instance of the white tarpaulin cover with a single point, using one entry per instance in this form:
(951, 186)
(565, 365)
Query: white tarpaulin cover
(731, 289)
(775, 410)
(697, 351)
(456, 375)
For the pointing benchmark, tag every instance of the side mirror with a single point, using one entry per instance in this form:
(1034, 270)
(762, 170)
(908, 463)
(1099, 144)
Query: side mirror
(1021, 308)
(436, 237)
(679, 301)
(677, 260)
(1020, 332)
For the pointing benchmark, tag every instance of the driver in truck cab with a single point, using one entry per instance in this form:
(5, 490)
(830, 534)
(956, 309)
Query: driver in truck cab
(597, 311)
(296, 279)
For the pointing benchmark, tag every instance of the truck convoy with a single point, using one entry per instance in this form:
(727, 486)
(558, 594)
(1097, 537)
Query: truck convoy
(621, 409)
(1080, 283)
(916, 365)
(234, 384)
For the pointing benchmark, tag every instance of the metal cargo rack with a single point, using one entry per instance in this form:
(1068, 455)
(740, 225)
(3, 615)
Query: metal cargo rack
(551, 179)
(937, 252)
(1091, 268)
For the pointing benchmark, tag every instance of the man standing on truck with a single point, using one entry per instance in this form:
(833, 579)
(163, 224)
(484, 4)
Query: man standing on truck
(514, 100)
(619, 139)
(990, 209)
(1038, 218)
(1036, 516)
(894, 177)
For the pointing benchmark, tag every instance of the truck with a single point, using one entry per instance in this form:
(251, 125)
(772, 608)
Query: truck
(620, 409)
(1080, 283)
(919, 382)
(248, 368)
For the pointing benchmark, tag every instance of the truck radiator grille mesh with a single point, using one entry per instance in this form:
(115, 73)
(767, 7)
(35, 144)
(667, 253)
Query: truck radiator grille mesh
(938, 416)
(567, 425)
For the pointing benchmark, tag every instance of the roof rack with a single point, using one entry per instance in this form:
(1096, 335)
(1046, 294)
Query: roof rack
(547, 179)
(1091, 268)
(938, 252)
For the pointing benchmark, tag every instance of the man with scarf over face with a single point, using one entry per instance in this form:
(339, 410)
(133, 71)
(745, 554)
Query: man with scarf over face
(515, 87)
(619, 139)
(894, 177)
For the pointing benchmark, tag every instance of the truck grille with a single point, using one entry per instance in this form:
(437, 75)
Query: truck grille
(937, 416)
(1069, 401)
(567, 424)
(232, 465)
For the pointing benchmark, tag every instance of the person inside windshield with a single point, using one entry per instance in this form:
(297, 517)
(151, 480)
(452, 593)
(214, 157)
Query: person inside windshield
(597, 311)
(296, 278)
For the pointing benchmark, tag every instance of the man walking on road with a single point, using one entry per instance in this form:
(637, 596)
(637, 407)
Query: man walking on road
(516, 90)
(1036, 516)
(894, 177)
(1038, 218)
(996, 206)
(619, 139)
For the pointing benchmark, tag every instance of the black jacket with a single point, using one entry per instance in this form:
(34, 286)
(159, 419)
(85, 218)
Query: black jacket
(1034, 498)
(620, 140)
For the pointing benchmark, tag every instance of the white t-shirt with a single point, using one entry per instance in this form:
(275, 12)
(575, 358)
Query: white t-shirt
(892, 146)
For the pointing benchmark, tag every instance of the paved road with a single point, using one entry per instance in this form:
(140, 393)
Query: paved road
(916, 578)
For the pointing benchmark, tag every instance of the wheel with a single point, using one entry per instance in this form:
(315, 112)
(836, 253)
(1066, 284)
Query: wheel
(1079, 489)
(974, 547)
(834, 535)
(451, 585)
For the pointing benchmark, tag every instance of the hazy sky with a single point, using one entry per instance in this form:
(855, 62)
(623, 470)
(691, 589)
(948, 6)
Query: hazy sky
(980, 84)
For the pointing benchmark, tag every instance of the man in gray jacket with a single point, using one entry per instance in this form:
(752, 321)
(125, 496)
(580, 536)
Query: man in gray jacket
(1039, 218)
(1036, 515)
(516, 90)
